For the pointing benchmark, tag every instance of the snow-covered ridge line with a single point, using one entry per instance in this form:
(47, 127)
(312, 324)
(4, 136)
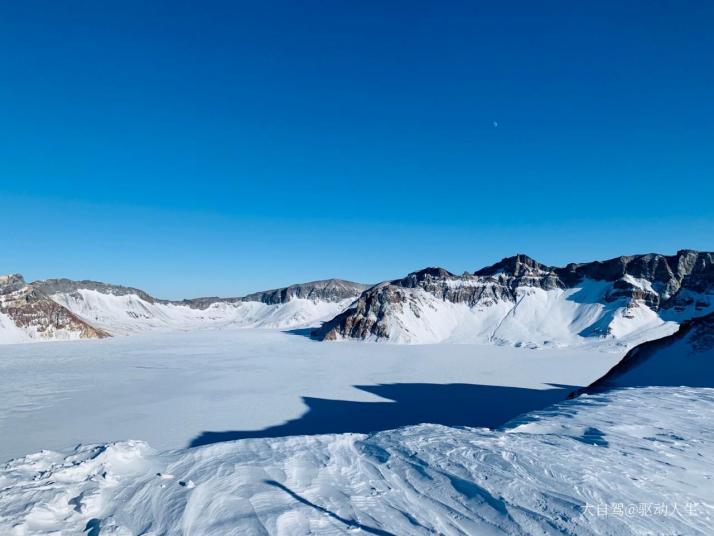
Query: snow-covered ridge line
(685, 357)
(516, 301)
(57, 309)
(521, 302)
(426, 479)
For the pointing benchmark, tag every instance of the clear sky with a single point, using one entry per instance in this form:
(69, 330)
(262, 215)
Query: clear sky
(203, 148)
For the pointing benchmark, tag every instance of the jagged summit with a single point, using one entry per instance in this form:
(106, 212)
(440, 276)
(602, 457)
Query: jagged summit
(11, 281)
(415, 278)
(516, 265)
(327, 289)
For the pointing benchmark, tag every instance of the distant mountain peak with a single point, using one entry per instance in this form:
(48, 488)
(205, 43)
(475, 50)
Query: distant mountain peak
(516, 265)
(432, 272)
(332, 290)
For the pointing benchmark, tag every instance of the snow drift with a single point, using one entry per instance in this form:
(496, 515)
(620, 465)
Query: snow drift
(571, 469)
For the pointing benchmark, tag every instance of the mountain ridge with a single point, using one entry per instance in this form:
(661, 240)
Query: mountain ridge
(672, 287)
(62, 308)
(516, 301)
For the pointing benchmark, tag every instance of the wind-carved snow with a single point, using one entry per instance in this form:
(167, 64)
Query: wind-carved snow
(635, 461)
(129, 313)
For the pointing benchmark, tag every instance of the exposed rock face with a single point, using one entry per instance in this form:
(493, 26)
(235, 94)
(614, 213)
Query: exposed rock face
(38, 316)
(676, 287)
(668, 275)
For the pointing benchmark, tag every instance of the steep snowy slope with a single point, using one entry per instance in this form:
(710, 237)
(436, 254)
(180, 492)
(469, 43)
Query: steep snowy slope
(572, 469)
(124, 310)
(683, 358)
(518, 301)
(27, 314)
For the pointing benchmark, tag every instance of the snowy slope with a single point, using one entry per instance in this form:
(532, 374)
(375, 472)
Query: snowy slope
(536, 318)
(29, 315)
(10, 333)
(684, 358)
(572, 469)
(130, 313)
(62, 309)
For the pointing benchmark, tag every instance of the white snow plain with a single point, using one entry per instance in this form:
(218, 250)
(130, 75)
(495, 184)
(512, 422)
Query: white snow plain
(631, 461)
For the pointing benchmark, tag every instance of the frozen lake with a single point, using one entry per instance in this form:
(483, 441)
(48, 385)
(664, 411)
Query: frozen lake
(179, 389)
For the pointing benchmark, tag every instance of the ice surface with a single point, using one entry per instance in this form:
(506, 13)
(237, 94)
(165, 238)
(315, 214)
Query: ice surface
(170, 388)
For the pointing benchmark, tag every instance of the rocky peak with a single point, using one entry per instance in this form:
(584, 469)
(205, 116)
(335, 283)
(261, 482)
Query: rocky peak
(518, 265)
(667, 273)
(417, 278)
(11, 283)
(332, 290)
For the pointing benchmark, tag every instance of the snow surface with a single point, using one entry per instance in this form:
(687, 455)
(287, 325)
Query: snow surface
(10, 333)
(169, 388)
(130, 314)
(539, 318)
(633, 461)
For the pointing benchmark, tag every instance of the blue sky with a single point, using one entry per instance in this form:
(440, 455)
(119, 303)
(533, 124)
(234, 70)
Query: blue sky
(223, 147)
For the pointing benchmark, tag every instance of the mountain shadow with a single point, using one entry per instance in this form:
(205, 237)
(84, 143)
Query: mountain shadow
(456, 404)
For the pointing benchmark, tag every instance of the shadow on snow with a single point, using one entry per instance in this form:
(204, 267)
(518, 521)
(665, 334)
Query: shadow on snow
(455, 404)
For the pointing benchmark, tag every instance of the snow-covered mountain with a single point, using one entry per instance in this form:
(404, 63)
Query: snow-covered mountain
(28, 314)
(521, 302)
(517, 301)
(64, 309)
